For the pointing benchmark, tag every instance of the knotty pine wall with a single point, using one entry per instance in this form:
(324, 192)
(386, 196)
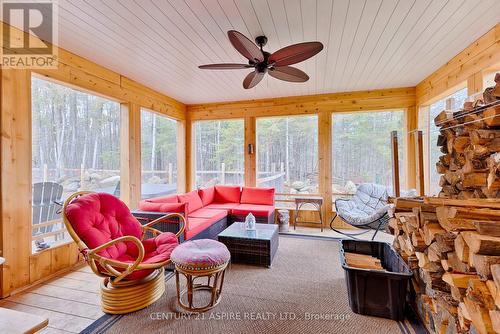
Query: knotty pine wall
(22, 268)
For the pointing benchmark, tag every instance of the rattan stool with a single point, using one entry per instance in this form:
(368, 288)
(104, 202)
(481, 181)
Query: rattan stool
(196, 259)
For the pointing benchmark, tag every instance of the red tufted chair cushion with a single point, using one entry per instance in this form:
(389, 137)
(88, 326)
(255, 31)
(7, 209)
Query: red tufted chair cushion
(99, 217)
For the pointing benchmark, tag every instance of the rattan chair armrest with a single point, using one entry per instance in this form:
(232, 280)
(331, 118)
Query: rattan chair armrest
(165, 218)
(108, 264)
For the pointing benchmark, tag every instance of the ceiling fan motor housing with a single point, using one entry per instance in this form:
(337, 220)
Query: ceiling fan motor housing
(261, 41)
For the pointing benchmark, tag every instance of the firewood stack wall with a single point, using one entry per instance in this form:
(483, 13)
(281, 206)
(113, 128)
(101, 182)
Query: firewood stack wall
(453, 248)
(470, 143)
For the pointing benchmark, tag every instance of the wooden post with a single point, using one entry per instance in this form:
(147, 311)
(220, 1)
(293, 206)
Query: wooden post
(250, 154)
(130, 138)
(395, 163)
(449, 103)
(222, 173)
(419, 151)
(183, 156)
(411, 125)
(325, 163)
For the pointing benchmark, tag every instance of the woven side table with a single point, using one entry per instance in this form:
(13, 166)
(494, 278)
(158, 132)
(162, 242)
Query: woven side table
(200, 258)
(316, 202)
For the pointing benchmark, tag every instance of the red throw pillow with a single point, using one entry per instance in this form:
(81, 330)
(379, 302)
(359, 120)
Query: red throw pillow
(263, 196)
(225, 194)
(207, 195)
(193, 200)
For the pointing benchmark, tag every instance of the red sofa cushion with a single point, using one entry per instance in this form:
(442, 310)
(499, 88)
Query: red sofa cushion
(208, 213)
(256, 210)
(221, 206)
(207, 195)
(146, 205)
(225, 194)
(197, 225)
(193, 200)
(263, 196)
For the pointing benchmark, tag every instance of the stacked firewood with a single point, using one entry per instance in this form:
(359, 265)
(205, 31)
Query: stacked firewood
(470, 143)
(453, 248)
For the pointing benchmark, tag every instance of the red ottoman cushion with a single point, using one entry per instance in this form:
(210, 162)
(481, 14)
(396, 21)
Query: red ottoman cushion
(200, 254)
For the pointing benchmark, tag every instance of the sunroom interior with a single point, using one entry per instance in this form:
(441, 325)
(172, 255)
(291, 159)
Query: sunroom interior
(399, 95)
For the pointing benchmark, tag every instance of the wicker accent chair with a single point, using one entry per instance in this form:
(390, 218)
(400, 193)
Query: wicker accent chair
(366, 210)
(129, 256)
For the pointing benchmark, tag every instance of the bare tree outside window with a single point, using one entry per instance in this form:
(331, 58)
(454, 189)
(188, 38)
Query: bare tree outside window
(287, 154)
(362, 149)
(158, 155)
(75, 146)
(219, 157)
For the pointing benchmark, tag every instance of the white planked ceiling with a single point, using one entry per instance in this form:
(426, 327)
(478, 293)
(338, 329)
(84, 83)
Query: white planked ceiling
(369, 44)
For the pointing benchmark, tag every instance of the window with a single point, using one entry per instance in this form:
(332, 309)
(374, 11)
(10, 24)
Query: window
(287, 154)
(219, 155)
(75, 146)
(158, 154)
(362, 149)
(455, 101)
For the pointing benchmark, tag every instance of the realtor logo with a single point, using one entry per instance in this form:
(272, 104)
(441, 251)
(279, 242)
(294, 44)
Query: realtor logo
(29, 31)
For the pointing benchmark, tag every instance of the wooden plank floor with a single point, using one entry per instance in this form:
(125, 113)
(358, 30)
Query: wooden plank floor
(71, 302)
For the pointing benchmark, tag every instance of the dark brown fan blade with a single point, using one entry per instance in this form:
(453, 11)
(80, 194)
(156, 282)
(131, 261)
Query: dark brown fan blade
(245, 46)
(288, 73)
(227, 66)
(252, 79)
(295, 53)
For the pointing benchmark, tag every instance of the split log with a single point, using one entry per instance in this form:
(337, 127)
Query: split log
(461, 249)
(482, 244)
(479, 316)
(482, 263)
(459, 280)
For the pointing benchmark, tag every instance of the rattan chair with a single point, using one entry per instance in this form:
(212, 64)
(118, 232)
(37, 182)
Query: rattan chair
(366, 210)
(116, 247)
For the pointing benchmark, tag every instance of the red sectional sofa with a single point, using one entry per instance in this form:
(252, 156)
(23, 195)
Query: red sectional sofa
(210, 210)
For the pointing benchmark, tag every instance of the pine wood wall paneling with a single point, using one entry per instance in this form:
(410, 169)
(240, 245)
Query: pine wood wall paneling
(250, 158)
(15, 178)
(475, 83)
(482, 54)
(130, 155)
(23, 268)
(397, 98)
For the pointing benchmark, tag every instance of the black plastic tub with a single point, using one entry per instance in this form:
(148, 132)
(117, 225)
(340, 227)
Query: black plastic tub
(375, 292)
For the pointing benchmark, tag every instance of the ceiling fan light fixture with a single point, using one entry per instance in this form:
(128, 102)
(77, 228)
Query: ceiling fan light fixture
(276, 64)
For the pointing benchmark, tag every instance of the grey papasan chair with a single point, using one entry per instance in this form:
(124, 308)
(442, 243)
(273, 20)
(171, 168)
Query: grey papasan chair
(367, 209)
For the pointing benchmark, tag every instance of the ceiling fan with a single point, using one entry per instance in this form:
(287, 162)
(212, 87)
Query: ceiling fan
(276, 64)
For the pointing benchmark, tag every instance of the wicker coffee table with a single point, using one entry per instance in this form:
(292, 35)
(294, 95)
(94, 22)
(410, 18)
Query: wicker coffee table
(253, 247)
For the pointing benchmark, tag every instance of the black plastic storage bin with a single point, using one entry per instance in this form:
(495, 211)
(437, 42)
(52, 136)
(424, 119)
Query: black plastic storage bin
(374, 292)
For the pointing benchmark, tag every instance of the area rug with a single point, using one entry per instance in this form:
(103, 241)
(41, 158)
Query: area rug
(303, 292)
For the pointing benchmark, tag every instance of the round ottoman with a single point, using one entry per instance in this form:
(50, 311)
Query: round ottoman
(200, 258)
